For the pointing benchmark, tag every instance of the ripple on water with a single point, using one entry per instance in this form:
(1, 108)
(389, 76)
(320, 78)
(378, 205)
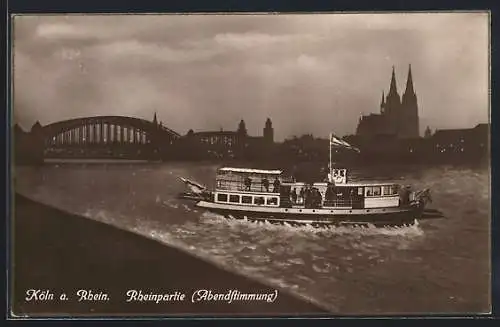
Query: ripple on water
(324, 269)
(296, 261)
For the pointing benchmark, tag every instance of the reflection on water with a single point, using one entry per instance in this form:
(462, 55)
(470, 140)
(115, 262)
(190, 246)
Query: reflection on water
(431, 266)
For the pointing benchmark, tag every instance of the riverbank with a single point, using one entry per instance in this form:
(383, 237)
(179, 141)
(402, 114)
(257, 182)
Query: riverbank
(63, 253)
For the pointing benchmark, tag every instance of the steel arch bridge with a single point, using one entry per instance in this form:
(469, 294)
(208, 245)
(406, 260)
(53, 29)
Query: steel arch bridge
(100, 135)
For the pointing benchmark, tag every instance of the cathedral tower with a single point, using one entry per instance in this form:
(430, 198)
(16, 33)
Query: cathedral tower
(398, 116)
(392, 101)
(410, 109)
(392, 106)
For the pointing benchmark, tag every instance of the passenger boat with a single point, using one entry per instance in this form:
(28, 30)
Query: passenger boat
(270, 195)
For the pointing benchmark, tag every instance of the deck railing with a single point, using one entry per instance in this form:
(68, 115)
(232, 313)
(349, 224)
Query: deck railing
(342, 203)
(231, 185)
(345, 203)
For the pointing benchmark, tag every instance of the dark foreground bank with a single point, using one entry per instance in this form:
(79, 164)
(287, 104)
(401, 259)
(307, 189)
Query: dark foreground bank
(62, 253)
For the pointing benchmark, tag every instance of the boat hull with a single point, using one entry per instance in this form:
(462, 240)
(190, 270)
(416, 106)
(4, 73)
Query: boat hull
(318, 217)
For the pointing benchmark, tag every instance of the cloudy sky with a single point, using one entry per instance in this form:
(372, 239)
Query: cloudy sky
(308, 73)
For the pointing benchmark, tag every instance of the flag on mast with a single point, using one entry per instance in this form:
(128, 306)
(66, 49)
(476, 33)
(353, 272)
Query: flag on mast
(338, 142)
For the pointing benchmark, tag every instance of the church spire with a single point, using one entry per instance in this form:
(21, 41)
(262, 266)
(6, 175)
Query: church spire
(155, 121)
(409, 83)
(393, 88)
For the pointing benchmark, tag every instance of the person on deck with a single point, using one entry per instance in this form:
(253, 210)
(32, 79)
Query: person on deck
(334, 197)
(328, 195)
(248, 183)
(316, 198)
(404, 195)
(293, 195)
(301, 196)
(265, 183)
(307, 197)
(351, 194)
(276, 185)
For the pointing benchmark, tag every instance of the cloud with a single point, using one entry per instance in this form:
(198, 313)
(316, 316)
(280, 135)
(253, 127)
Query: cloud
(251, 40)
(60, 31)
(133, 49)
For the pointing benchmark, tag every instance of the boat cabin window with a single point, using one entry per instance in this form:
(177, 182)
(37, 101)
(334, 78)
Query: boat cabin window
(373, 190)
(222, 197)
(246, 199)
(360, 191)
(234, 198)
(390, 190)
(272, 201)
(258, 200)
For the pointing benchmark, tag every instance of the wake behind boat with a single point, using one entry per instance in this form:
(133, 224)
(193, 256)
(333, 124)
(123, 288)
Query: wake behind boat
(270, 195)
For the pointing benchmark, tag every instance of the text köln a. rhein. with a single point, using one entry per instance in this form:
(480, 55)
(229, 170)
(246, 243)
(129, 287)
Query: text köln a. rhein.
(81, 295)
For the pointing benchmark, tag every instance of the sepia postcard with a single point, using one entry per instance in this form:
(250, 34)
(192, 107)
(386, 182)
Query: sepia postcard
(250, 165)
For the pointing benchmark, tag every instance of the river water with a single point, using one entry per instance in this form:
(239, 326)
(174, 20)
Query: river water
(433, 266)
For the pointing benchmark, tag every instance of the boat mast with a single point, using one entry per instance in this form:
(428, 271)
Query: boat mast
(330, 152)
(330, 157)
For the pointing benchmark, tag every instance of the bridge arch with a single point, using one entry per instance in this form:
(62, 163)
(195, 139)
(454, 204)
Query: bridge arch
(107, 132)
(104, 130)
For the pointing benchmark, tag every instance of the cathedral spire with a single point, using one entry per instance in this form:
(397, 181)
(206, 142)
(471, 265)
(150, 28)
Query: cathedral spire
(410, 107)
(393, 88)
(409, 83)
(155, 121)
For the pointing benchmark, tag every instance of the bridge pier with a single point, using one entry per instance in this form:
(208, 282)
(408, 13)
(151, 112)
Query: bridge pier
(108, 134)
(94, 133)
(101, 133)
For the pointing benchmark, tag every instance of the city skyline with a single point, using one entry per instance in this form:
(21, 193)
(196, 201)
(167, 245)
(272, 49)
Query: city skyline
(207, 72)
